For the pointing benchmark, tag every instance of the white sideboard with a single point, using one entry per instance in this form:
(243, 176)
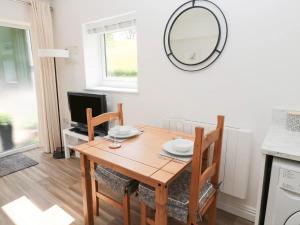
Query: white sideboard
(71, 139)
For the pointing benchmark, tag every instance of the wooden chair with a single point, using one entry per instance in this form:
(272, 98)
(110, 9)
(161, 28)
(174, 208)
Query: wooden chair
(192, 194)
(117, 182)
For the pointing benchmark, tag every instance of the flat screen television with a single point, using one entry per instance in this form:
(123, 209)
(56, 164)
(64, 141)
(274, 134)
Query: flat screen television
(79, 102)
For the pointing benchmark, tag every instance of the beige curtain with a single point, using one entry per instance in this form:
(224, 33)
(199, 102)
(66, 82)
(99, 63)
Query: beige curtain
(42, 35)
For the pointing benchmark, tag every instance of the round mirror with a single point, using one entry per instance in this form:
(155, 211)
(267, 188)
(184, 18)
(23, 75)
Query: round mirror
(194, 36)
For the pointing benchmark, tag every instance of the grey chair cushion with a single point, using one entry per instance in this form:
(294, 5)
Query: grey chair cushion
(178, 200)
(117, 182)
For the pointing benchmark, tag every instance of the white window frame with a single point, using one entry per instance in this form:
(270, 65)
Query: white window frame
(27, 27)
(95, 57)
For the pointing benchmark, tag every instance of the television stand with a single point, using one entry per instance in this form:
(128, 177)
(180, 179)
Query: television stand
(75, 136)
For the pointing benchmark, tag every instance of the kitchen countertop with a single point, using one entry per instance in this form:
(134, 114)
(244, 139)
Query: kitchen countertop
(282, 143)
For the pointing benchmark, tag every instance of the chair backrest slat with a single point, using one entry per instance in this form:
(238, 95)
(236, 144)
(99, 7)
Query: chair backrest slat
(104, 118)
(100, 119)
(200, 174)
(210, 139)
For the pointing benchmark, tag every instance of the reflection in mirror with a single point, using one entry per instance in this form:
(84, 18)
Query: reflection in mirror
(194, 36)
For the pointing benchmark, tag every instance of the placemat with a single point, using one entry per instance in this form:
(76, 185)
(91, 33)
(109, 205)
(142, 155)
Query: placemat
(180, 158)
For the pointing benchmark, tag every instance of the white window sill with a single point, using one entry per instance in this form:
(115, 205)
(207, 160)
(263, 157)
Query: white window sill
(114, 89)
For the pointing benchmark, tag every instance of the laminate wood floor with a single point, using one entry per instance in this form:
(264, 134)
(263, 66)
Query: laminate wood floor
(57, 182)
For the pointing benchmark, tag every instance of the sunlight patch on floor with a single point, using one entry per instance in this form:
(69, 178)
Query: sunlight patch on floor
(23, 212)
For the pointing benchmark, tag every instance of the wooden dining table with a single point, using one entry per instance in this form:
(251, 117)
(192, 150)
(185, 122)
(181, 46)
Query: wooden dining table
(139, 158)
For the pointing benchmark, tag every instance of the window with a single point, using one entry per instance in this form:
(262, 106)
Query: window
(121, 54)
(110, 47)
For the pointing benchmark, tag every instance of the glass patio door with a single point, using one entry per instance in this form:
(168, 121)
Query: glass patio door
(18, 107)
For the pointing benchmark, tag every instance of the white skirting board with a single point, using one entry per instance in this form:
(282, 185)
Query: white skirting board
(243, 211)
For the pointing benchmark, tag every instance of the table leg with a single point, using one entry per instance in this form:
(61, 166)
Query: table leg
(86, 190)
(161, 199)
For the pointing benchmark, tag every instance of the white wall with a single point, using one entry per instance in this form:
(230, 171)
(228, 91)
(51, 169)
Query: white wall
(12, 11)
(259, 68)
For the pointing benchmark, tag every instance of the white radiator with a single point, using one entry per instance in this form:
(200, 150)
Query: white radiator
(236, 154)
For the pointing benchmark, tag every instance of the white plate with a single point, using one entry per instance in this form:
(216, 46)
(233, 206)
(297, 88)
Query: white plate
(168, 147)
(132, 132)
(182, 145)
(123, 130)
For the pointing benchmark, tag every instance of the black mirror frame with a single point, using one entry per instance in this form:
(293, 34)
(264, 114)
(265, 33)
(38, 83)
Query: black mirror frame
(222, 39)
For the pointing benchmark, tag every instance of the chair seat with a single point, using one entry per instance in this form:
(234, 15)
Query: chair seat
(178, 196)
(117, 182)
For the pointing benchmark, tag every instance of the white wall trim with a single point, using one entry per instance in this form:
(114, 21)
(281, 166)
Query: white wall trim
(24, 2)
(112, 89)
(18, 150)
(243, 211)
(15, 24)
